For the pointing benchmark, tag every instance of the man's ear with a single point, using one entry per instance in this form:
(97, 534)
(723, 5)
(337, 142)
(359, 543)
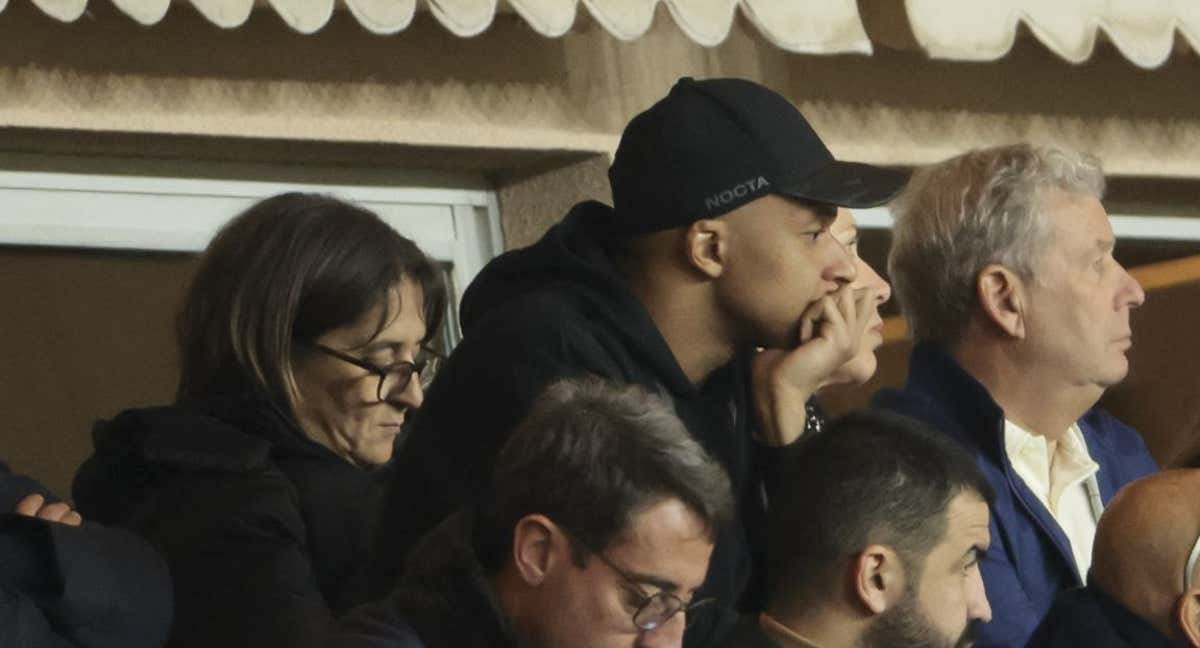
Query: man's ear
(1001, 294)
(534, 552)
(1187, 615)
(879, 578)
(706, 246)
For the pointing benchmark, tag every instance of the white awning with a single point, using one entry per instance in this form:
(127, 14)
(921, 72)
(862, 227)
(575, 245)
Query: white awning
(807, 26)
(984, 30)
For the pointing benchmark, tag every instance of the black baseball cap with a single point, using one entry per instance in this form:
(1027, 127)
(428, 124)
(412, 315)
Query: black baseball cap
(713, 145)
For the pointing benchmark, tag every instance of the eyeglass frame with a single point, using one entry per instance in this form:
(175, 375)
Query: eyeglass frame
(671, 600)
(415, 368)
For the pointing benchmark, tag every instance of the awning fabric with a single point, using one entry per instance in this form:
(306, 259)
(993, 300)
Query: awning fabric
(984, 30)
(807, 26)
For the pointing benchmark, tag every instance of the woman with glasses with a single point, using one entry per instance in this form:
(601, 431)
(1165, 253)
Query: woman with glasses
(303, 350)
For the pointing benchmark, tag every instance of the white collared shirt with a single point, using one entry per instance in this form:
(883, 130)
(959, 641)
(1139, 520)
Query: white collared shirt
(1059, 481)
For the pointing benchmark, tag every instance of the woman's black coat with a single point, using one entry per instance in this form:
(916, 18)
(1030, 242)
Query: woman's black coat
(264, 530)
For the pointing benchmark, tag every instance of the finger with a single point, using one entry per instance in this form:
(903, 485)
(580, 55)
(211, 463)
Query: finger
(54, 512)
(834, 325)
(843, 300)
(30, 505)
(73, 518)
(809, 319)
(846, 302)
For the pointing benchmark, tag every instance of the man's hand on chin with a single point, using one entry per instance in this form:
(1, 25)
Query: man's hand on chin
(831, 330)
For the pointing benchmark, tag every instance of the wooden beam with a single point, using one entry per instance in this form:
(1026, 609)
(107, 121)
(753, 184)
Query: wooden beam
(1168, 273)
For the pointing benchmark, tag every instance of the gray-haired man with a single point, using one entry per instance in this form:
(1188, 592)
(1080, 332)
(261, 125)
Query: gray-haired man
(1002, 262)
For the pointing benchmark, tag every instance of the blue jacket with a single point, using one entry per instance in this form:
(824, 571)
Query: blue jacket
(1030, 559)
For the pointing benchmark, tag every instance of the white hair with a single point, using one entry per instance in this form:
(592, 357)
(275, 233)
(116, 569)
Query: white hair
(958, 216)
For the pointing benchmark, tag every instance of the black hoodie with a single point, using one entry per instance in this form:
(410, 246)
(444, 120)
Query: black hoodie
(554, 310)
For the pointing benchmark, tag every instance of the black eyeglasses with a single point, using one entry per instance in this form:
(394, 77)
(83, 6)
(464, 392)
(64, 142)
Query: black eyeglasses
(655, 610)
(393, 378)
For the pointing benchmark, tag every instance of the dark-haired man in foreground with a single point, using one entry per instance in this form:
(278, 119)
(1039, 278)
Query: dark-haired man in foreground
(596, 533)
(877, 544)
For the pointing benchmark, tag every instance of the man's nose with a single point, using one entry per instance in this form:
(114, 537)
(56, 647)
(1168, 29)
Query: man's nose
(667, 635)
(1132, 294)
(843, 266)
(979, 608)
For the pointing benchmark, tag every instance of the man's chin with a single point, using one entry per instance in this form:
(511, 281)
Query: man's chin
(1116, 373)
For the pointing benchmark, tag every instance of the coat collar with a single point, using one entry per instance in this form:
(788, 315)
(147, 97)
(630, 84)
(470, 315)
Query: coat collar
(948, 391)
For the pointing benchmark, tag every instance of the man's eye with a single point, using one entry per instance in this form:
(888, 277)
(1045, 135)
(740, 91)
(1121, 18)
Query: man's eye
(633, 599)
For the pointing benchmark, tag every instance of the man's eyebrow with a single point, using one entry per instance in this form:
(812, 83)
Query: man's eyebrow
(1105, 245)
(826, 213)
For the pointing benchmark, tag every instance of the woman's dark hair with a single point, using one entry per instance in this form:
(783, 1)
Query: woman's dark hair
(289, 269)
(591, 455)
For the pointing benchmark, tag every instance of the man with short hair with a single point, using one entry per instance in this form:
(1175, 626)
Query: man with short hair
(877, 544)
(718, 243)
(596, 532)
(1002, 262)
(1144, 586)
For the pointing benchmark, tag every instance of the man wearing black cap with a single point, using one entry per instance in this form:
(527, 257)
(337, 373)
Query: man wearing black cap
(717, 245)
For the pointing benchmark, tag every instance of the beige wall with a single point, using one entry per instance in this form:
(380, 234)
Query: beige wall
(531, 201)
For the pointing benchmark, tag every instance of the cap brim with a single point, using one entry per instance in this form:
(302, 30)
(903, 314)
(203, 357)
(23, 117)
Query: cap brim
(848, 184)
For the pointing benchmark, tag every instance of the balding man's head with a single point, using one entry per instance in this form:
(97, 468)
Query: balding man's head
(1142, 547)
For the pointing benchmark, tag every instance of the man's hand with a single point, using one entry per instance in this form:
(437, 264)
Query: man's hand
(35, 506)
(831, 331)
